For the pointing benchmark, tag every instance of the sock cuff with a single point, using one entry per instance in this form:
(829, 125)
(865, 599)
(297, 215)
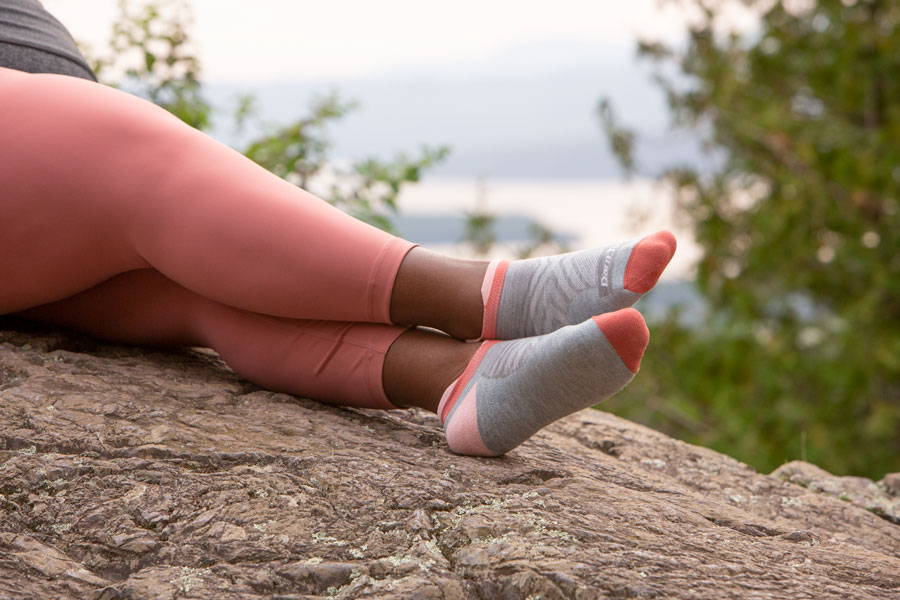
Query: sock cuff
(491, 290)
(455, 389)
(445, 397)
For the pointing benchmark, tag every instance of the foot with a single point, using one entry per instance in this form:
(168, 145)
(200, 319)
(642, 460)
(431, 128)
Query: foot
(509, 390)
(524, 298)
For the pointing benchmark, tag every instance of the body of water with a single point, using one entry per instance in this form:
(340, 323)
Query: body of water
(585, 212)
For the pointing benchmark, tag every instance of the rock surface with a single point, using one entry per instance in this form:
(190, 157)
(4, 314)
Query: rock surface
(134, 473)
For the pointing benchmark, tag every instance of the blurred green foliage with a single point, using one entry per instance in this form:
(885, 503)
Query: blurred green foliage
(151, 55)
(796, 213)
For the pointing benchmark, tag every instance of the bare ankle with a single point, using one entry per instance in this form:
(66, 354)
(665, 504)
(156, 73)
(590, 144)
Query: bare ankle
(420, 365)
(441, 292)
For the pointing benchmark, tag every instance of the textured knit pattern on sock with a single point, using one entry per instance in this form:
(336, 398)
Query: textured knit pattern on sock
(519, 386)
(540, 295)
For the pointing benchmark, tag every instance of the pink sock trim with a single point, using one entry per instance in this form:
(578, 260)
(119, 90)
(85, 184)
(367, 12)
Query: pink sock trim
(463, 436)
(488, 280)
(491, 289)
(450, 399)
(446, 396)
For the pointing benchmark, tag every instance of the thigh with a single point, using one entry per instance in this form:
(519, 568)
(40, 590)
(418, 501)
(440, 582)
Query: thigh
(63, 197)
(97, 182)
(140, 307)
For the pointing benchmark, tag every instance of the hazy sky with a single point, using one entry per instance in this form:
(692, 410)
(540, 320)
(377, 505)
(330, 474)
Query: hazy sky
(288, 40)
(511, 86)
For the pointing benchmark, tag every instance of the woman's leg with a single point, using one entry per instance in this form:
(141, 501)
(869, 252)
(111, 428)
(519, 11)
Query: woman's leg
(356, 364)
(490, 397)
(97, 182)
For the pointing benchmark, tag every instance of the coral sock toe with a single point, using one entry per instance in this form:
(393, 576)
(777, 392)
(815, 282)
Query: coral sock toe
(648, 259)
(627, 333)
(511, 389)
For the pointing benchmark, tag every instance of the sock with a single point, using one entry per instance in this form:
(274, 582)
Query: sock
(523, 298)
(509, 390)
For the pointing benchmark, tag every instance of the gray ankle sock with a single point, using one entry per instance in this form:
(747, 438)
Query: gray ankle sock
(512, 389)
(523, 298)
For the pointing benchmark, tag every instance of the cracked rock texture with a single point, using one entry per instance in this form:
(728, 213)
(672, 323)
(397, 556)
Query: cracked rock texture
(135, 473)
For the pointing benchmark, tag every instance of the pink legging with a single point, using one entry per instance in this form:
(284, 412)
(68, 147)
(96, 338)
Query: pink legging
(149, 231)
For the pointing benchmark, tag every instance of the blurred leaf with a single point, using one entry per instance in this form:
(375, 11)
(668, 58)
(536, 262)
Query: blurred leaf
(796, 213)
(621, 140)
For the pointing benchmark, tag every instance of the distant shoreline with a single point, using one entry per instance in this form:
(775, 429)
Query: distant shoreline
(594, 212)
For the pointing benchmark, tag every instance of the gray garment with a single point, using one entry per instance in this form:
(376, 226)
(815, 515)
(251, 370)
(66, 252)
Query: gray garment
(33, 40)
(526, 384)
(24, 58)
(542, 294)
